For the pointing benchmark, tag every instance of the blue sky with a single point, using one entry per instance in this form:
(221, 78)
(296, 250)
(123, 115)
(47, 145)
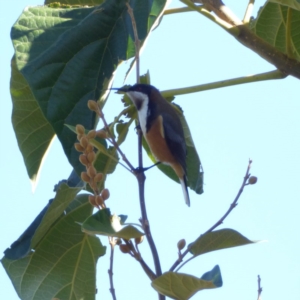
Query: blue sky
(230, 125)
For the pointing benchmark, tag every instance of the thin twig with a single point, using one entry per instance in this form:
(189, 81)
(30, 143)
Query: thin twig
(112, 138)
(137, 255)
(112, 243)
(234, 203)
(259, 291)
(221, 10)
(140, 175)
(218, 223)
(137, 42)
(248, 12)
(177, 10)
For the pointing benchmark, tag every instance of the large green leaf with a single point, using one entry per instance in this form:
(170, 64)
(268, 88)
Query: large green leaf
(279, 26)
(68, 56)
(217, 240)
(42, 223)
(290, 3)
(33, 132)
(183, 286)
(64, 196)
(63, 264)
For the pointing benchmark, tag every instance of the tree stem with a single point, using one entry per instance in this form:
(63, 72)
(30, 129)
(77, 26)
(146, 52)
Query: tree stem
(276, 74)
(140, 175)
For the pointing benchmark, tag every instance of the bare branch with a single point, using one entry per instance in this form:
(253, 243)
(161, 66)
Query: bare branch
(112, 243)
(218, 223)
(136, 42)
(140, 175)
(259, 291)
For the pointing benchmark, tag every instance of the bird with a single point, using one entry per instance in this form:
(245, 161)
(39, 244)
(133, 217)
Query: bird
(162, 129)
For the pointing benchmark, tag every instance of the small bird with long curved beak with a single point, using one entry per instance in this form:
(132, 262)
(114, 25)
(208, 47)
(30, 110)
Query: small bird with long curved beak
(162, 129)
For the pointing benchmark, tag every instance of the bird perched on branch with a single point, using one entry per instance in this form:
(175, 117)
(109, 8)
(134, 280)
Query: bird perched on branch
(162, 129)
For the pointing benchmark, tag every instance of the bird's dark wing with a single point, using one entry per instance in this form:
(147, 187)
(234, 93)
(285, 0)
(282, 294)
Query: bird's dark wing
(175, 137)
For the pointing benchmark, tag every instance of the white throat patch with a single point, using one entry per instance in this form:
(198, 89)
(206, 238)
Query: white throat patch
(140, 100)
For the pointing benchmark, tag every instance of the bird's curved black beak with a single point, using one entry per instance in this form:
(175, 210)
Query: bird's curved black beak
(122, 89)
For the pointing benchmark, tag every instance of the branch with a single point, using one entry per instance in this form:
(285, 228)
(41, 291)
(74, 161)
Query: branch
(140, 175)
(136, 42)
(221, 10)
(227, 20)
(259, 291)
(234, 203)
(248, 12)
(276, 74)
(218, 223)
(112, 243)
(137, 255)
(94, 106)
(286, 65)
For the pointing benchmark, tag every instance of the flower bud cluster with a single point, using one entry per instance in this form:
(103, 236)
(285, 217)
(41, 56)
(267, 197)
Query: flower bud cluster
(87, 158)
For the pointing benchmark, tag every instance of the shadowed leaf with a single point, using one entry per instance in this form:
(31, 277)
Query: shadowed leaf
(68, 56)
(33, 132)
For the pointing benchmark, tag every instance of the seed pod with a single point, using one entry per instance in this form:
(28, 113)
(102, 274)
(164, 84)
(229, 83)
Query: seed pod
(98, 177)
(84, 142)
(78, 147)
(83, 159)
(92, 200)
(91, 171)
(105, 194)
(99, 200)
(79, 136)
(181, 244)
(101, 134)
(85, 177)
(139, 240)
(118, 241)
(91, 156)
(79, 129)
(91, 134)
(92, 105)
(124, 248)
(252, 180)
(89, 148)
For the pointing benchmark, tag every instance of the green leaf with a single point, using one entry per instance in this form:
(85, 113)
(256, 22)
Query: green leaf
(122, 130)
(290, 3)
(64, 196)
(68, 56)
(183, 286)
(194, 166)
(63, 264)
(272, 25)
(103, 223)
(33, 132)
(217, 240)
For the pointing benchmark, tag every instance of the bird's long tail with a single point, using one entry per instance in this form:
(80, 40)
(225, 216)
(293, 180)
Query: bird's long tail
(183, 182)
